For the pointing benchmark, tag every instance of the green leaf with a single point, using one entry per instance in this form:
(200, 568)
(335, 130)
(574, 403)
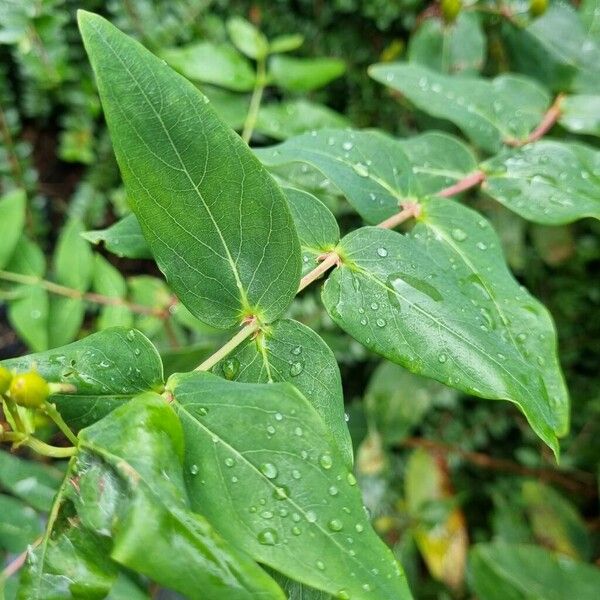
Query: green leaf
(468, 325)
(520, 572)
(370, 168)
(109, 282)
(217, 64)
(28, 315)
(438, 160)
(289, 351)
(590, 16)
(457, 47)
(304, 74)
(547, 182)
(247, 38)
(124, 238)
(396, 401)
(107, 369)
(298, 591)
(581, 114)
(489, 112)
(317, 228)
(216, 222)
(12, 221)
(286, 119)
(19, 524)
(231, 107)
(285, 43)
(65, 317)
(278, 486)
(31, 481)
(555, 521)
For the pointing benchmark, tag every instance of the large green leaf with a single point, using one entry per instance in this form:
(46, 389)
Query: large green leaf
(521, 572)
(547, 182)
(279, 487)
(317, 228)
(304, 74)
(128, 492)
(490, 112)
(123, 238)
(290, 351)
(107, 369)
(217, 64)
(581, 114)
(441, 302)
(457, 47)
(370, 168)
(12, 220)
(216, 222)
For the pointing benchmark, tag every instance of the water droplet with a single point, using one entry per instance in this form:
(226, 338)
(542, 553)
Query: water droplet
(281, 493)
(266, 514)
(335, 525)
(347, 145)
(267, 537)
(343, 595)
(296, 530)
(459, 235)
(326, 461)
(137, 351)
(333, 491)
(374, 305)
(359, 528)
(363, 321)
(311, 516)
(380, 322)
(296, 474)
(298, 431)
(382, 252)
(194, 469)
(297, 350)
(269, 470)
(131, 335)
(296, 368)
(231, 368)
(271, 430)
(481, 246)
(521, 337)
(320, 565)
(351, 479)
(442, 358)
(361, 170)
(229, 462)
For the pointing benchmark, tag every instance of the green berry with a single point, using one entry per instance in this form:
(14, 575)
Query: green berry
(538, 7)
(29, 389)
(451, 9)
(5, 379)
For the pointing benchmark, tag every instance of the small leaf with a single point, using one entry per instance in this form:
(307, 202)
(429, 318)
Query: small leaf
(317, 228)
(290, 351)
(500, 571)
(581, 114)
(110, 283)
(107, 369)
(304, 74)
(28, 314)
(12, 220)
(216, 222)
(65, 317)
(247, 38)
(470, 325)
(457, 47)
(547, 182)
(490, 112)
(19, 524)
(279, 488)
(370, 168)
(285, 43)
(124, 238)
(217, 64)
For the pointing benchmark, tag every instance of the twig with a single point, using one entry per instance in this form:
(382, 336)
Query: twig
(466, 183)
(501, 464)
(550, 118)
(327, 261)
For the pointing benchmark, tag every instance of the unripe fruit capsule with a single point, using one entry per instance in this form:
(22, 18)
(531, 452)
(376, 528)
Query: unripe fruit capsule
(538, 7)
(29, 389)
(5, 379)
(451, 9)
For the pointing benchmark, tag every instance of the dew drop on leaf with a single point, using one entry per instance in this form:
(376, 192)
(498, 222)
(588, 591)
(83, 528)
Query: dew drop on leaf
(335, 525)
(326, 461)
(361, 170)
(269, 470)
(231, 368)
(382, 252)
(267, 537)
(459, 235)
(296, 368)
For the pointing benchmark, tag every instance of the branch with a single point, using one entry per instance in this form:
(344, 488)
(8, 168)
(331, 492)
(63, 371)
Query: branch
(466, 183)
(550, 118)
(501, 464)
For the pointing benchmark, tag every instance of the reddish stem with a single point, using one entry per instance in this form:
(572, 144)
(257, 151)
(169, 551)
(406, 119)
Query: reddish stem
(550, 118)
(464, 184)
(409, 209)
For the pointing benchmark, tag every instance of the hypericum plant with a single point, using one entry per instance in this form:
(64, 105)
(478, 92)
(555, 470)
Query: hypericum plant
(194, 481)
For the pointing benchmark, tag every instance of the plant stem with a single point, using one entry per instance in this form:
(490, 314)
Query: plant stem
(36, 445)
(62, 290)
(18, 562)
(233, 343)
(467, 182)
(411, 210)
(51, 411)
(550, 118)
(14, 413)
(257, 93)
(329, 260)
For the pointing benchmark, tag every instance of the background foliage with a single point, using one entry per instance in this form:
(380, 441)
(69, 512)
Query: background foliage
(442, 474)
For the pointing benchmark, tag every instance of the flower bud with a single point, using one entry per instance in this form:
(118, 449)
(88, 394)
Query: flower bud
(29, 389)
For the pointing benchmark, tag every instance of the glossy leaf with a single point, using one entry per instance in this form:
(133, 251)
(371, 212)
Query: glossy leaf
(109, 282)
(19, 524)
(247, 38)
(278, 486)
(217, 64)
(286, 119)
(369, 168)
(124, 238)
(289, 351)
(438, 160)
(457, 47)
(547, 182)
(581, 114)
(107, 368)
(215, 220)
(470, 325)
(489, 112)
(317, 228)
(519, 572)
(12, 220)
(304, 74)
